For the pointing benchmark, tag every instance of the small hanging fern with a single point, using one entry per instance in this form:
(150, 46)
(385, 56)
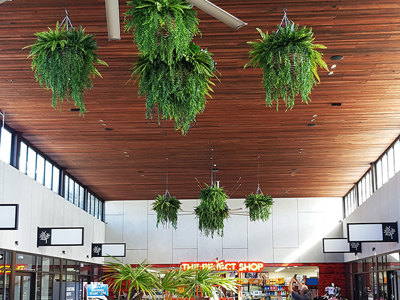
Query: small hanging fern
(289, 61)
(162, 29)
(64, 62)
(167, 208)
(212, 210)
(259, 206)
(178, 91)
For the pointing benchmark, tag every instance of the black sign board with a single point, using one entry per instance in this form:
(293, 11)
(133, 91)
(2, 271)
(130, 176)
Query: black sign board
(60, 236)
(9, 216)
(372, 232)
(340, 245)
(1, 256)
(108, 249)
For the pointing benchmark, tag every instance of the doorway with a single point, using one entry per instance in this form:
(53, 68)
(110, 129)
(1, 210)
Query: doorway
(24, 286)
(392, 285)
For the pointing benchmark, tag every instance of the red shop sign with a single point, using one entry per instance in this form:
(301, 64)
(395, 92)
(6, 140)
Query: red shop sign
(245, 266)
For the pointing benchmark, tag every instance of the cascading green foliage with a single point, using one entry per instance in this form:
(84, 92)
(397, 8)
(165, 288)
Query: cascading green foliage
(167, 208)
(259, 206)
(163, 29)
(64, 62)
(212, 210)
(177, 91)
(289, 61)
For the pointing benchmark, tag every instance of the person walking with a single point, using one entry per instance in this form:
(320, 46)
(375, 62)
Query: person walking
(303, 290)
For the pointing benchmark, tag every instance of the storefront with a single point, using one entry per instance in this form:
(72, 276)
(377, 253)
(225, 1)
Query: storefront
(25, 276)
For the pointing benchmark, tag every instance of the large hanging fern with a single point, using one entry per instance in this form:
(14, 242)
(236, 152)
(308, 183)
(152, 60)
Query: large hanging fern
(177, 91)
(163, 29)
(259, 206)
(212, 210)
(289, 61)
(167, 208)
(64, 62)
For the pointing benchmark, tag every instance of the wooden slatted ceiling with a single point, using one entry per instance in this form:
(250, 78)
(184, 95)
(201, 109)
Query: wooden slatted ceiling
(236, 122)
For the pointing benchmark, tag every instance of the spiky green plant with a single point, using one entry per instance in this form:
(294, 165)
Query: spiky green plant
(163, 29)
(212, 210)
(64, 62)
(167, 208)
(289, 61)
(178, 91)
(207, 283)
(174, 282)
(259, 206)
(137, 281)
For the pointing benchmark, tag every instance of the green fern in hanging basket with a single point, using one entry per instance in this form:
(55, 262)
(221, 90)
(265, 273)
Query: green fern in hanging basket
(178, 91)
(162, 29)
(289, 61)
(259, 206)
(64, 62)
(167, 208)
(212, 210)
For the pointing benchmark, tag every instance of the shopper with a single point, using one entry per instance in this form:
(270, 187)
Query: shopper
(303, 290)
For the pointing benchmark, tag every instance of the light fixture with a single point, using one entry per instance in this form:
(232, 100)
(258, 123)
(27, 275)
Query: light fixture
(63, 252)
(312, 120)
(217, 13)
(279, 269)
(314, 116)
(330, 73)
(333, 67)
(112, 15)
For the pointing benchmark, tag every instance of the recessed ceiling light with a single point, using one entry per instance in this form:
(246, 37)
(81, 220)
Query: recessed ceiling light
(101, 120)
(330, 73)
(108, 129)
(312, 120)
(125, 152)
(337, 57)
(333, 67)
(104, 124)
(311, 125)
(336, 104)
(74, 109)
(314, 116)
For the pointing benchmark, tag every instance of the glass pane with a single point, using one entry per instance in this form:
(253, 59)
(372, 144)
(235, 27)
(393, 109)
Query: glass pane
(31, 163)
(40, 169)
(397, 156)
(48, 174)
(91, 204)
(5, 145)
(46, 290)
(44, 264)
(25, 262)
(393, 261)
(56, 179)
(81, 197)
(101, 205)
(96, 207)
(76, 197)
(391, 162)
(71, 190)
(66, 183)
(379, 173)
(22, 157)
(385, 170)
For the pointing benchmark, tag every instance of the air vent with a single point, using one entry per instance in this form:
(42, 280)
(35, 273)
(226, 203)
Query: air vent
(336, 104)
(337, 57)
(108, 129)
(74, 109)
(311, 124)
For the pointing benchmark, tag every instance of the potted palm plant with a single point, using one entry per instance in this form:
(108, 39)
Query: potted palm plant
(289, 60)
(178, 91)
(162, 29)
(64, 62)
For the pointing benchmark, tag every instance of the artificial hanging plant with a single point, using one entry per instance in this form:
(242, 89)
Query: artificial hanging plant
(162, 29)
(289, 60)
(178, 91)
(166, 207)
(259, 206)
(212, 210)
(64, 62)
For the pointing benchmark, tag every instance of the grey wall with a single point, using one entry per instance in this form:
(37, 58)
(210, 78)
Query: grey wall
(293, 234)
(40, 207)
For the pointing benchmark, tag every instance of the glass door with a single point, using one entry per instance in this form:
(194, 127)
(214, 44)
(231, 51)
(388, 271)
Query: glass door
(392, 285)
(24, 286)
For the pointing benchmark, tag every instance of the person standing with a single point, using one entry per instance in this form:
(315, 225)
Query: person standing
(303, 290)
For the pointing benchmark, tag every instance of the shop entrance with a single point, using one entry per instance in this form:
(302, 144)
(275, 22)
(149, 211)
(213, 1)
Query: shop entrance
(24, 286)
(392, 285)
(358, 287)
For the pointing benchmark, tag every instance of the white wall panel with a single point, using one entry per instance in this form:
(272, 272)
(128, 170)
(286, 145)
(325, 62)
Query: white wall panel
(235, 232)
(184, 255)
(135, 224)
(135, 256)
(185, 236)
(159, 242)
(235, 254)
(286, 255)
(285, 226)
(209, 249)
(114, 228)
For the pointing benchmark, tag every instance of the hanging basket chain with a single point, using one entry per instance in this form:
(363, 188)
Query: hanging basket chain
(167, 194)
(67, 20)
(285, 21)
(258, 191)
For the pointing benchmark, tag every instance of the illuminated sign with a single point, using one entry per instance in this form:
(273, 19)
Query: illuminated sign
(248, 266)
(8, 268)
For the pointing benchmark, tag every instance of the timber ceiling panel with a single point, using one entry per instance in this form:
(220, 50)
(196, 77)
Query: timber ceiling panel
(236, 123)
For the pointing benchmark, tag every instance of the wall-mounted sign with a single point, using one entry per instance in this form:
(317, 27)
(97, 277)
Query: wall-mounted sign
(336, 245)
(60, 236)
(7, 268)
(97, 290)
(109, 249)
(9, 216)
(372, 232)
(222, 265)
